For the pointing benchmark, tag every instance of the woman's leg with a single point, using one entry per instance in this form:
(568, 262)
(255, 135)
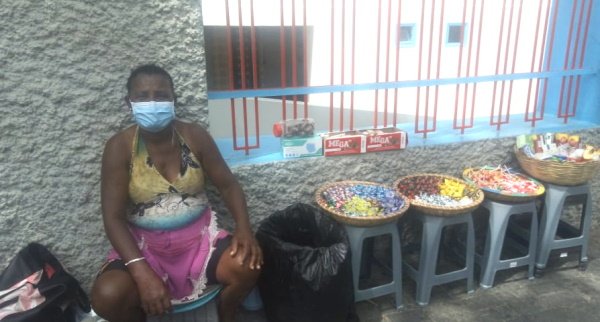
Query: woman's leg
(115, 297)
(237, 280)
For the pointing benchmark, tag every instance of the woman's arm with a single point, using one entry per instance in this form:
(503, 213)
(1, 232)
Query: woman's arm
(243, 244)
(154, 295)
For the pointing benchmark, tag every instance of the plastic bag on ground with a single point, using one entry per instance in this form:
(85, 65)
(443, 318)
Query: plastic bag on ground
(307, 274)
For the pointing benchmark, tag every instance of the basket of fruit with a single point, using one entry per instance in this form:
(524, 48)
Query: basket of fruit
(439, 195)
(361, 203)
(502, 184)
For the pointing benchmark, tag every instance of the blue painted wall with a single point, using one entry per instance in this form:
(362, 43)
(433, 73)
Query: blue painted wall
(588, 99)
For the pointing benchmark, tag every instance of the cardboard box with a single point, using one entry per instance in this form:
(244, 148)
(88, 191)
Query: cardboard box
(342, 143)
(385, 139)
(302, 147)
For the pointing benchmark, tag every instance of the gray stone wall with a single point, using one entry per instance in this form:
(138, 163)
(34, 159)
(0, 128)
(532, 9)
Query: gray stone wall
(63, 67)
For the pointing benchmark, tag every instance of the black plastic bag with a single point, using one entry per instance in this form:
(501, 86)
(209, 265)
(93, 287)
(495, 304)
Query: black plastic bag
(307, 274)
(36, 278)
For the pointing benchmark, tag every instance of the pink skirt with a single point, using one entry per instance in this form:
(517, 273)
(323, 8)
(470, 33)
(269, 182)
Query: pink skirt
(179, 256)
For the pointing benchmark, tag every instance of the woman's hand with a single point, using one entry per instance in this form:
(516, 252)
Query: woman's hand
(154, 294)
(245, 247)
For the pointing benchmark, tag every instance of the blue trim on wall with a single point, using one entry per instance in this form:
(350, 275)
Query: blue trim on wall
(214, 95)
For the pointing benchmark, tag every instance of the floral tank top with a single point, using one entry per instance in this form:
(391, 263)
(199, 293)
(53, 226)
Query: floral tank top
(158, 204)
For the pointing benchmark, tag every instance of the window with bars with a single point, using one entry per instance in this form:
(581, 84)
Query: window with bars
(513, 63)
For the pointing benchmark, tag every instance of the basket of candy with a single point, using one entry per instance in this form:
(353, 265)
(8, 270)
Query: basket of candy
(439, 195)
(361, 203)
(558, 159)
(502, 184)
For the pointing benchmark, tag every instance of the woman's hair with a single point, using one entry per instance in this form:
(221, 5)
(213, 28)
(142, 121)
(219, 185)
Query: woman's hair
(148, 69)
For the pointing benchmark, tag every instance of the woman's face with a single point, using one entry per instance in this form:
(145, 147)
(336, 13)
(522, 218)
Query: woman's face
(155, 87)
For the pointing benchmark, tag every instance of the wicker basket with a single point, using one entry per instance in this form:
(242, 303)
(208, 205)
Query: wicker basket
(498, 195)
(428, 181)
(559, 173)
(342, 217)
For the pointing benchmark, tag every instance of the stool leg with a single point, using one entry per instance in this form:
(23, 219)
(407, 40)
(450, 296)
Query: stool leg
(428, 258)
(356, 245)
(554, 202)
(585, 229)
(533, 233)
(496, 232)
(397, 268)
(470, 261)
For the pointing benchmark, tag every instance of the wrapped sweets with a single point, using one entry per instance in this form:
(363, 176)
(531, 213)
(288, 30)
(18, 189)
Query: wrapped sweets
(433, 191)
(363, 200)
(501, 179)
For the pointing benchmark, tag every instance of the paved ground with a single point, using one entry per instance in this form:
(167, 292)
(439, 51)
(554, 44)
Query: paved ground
(563, 293)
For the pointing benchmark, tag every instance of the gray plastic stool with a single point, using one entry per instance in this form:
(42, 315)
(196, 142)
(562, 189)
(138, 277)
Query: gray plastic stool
(551, 224)
(425, 275)
(357, 235)
(500, 214)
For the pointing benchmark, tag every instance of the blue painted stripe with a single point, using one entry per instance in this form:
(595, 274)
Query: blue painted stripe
(214, 95)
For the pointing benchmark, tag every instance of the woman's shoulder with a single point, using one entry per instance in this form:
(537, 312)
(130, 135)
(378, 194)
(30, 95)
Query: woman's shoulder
(122, 139)
(190, 130)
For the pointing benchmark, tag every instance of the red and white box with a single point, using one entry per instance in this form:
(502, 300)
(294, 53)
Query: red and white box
(342, 143)
(385, 139)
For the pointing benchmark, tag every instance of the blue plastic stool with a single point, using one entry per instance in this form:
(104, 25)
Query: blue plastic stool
(490, 262)
(357, 236)
(203, 309)
(551, 225)
(425, 275)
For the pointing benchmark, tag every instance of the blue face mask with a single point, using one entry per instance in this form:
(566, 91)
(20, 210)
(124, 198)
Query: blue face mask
(153, 116)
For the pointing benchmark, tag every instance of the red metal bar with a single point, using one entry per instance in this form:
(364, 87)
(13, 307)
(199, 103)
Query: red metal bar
(399, 24)
(459, 71)
(508, 36)
(294, 57)
(585, 37)
(549, 60)
(426, 119)
(243, 74)
(514, 58)
(419, 72)
(573, 62)
(353, 62)
(387, 62)
(375, 122)
(476, 72)
(305, 55)
(498, 63)
(282, 54)
(468, 73)
(254, 74)
(332, 66)
(566, 62)
(230, 67)
(439, 62)
(342, 51)
(532, 69)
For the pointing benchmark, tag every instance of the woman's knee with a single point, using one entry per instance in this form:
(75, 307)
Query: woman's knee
(112, 291)
(229, 271)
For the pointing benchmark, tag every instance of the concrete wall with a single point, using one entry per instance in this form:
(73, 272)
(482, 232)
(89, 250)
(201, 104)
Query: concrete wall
(63, 67)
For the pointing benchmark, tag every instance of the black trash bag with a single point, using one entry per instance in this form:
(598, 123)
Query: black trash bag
(307, 271)
(46, 291)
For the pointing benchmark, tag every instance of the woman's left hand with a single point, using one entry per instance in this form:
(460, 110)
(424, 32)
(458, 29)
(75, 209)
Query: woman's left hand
(245, 248)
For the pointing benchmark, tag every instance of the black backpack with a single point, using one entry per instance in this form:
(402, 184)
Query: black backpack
(35, 287)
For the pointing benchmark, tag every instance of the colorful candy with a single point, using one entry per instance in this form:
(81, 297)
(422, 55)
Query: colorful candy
(436, 191)
(363, 200)
(502, 180)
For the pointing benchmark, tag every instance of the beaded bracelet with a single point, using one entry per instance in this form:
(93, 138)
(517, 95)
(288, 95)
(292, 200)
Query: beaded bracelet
(135, 260)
